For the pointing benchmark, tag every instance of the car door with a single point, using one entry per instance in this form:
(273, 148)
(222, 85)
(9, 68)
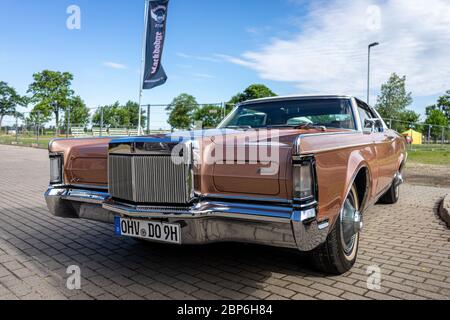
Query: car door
(383, 146)
(390, 147)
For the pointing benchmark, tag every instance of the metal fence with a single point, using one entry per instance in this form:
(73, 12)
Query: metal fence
(31, 130)
(429, 136)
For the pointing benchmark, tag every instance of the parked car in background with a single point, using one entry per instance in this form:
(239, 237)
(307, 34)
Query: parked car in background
(295, 172)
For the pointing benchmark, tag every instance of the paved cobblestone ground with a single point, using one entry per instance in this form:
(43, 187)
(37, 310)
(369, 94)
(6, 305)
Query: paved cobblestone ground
(407, 241)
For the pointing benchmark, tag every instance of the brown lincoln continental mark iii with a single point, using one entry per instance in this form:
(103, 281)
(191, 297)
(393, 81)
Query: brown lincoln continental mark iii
(294, 172)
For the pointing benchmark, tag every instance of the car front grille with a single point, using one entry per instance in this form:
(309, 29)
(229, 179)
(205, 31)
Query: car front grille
(149, 179)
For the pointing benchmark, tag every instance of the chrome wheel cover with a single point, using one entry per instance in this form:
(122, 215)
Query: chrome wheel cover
(347, 220)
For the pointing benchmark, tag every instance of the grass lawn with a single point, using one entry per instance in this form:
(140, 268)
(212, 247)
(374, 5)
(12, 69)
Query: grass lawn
(438, 155)
(27, 141)
(430, 157)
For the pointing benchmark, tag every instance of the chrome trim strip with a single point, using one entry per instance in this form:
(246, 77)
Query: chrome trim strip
(297, 143)
(342, 147)
(88, 187)
(246, 198)
(306, 205)
(78, 186)
(209, 210)
(323, 225)
(85, 196)
(347, 131)
(357, 116)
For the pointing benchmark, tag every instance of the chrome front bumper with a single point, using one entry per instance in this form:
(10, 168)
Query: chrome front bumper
(208, 221)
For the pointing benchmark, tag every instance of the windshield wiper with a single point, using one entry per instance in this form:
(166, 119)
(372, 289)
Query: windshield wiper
(311, 126)
(282, 126)
(238, 127)
(306, 126)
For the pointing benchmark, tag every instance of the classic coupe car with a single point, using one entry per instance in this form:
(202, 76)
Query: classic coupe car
(293, 172)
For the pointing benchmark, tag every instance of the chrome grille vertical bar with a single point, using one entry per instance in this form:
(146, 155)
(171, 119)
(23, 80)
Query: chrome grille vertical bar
(149, 179)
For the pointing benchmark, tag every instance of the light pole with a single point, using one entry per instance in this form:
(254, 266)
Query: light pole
(368, 71)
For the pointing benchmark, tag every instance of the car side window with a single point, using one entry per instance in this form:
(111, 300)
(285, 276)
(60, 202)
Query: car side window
(365, 114)
(379, 124)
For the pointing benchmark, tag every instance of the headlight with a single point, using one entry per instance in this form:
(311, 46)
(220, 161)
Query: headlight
(56, 170)
(304, 185)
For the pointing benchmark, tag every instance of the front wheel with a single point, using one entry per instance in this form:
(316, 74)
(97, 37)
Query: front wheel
(393, 194)
(338, 254)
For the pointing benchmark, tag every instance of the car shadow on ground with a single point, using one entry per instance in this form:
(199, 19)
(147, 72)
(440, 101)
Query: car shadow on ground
(118, 265)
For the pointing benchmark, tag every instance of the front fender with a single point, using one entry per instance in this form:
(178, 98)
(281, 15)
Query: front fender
(337, 173)
(357, 162)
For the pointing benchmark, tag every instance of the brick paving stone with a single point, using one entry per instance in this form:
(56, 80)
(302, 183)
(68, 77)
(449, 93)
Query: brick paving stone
(275, 297)
(406, 241)
(256, 293)
(327, 289)
(350, 288)
(303, 290)
(353, 296)
(301, 296)
(280, 291)
(326, 296)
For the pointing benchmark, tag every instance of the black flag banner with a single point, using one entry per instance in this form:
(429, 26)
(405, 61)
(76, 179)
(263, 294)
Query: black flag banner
(154, 74)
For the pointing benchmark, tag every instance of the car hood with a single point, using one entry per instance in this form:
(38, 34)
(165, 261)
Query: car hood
(86, 160)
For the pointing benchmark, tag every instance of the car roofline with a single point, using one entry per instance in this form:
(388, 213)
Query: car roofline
(293, 97)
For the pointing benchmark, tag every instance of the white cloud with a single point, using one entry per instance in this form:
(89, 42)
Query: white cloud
(235, 60)
(115, 65)
(257, 31)
(183, 55)
(204, 75)
(201, 58)
(184, 66)
(329, 51)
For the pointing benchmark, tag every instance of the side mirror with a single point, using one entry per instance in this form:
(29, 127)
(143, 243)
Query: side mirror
(369, 126)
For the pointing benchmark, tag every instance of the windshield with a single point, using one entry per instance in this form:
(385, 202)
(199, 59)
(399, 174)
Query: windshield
(329, 113)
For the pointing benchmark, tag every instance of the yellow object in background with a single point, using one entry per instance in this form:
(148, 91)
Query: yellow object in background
(416, 136)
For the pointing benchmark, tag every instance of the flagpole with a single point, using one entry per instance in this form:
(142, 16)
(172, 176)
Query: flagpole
(141, 81)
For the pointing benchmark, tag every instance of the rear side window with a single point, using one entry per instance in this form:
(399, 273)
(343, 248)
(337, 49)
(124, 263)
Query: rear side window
(365, 113)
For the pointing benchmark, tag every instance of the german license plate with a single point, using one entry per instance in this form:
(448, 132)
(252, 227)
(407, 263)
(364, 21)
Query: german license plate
(150, 230)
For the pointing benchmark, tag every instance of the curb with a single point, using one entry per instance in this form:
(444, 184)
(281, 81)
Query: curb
(444, 210)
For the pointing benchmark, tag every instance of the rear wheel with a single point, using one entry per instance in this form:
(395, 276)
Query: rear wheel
(338, 254)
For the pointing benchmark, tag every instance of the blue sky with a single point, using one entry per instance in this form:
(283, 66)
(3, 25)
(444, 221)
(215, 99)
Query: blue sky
(216, 48)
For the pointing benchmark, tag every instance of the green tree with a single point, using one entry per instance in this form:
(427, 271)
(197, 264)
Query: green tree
(410, 116)
(407, 120)
(254, 91)
(437, 120)
(39, 115)
(9, 100)
(129, 115)
(181, 111)
(51, 92)
(443, 105)
(79, 112)
(394, 99)
(110, 115)
(117, 115)
(209, 115)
